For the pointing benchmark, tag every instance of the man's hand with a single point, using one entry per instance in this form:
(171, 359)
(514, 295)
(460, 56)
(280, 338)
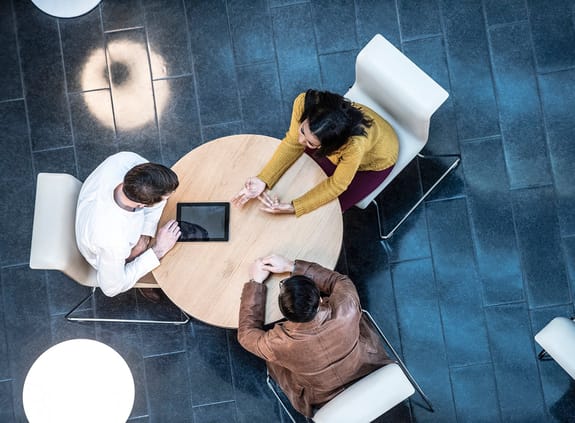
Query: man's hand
(166, 238)
(141, 246)
(277, 264)
(253, 187)
(273, 205)
(257, 271)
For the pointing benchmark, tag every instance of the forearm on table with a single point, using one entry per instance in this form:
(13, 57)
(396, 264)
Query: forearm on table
(115, 276)
(285, 155)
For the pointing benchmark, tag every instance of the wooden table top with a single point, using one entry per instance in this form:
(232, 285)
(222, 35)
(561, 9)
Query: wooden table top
(205, 279)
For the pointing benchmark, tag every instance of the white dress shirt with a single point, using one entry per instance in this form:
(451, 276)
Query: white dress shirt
(106, 233)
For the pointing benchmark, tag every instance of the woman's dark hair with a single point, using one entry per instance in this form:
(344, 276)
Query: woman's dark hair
(299, 299)
(146, 183)
(332, 119)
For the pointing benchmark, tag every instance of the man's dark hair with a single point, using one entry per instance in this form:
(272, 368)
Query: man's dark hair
(333, 119)
(146, 183)
(299, 299)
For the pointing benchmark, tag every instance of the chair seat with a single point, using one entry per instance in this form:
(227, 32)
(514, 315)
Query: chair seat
(410, 145)
(367, 398)
(558, 340)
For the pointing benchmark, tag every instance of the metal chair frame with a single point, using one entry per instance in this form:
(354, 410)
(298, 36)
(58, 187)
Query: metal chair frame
(71, 318)
(422, 198)
(428, 405)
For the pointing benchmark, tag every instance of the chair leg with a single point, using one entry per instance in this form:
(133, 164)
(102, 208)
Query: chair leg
(422, 198)
(400, 362)
(544, 356)
(269, 383)
(71, 318)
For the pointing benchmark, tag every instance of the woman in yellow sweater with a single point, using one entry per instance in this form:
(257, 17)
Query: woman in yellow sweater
(355, 146)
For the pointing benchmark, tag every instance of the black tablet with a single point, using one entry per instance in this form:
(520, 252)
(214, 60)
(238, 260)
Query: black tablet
(204, 221)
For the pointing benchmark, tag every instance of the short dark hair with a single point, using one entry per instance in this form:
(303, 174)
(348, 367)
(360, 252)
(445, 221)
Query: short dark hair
(333, 119)
(147, 183)
(299, 298)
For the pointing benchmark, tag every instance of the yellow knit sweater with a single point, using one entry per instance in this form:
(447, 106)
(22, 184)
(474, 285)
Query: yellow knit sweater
(376, 151)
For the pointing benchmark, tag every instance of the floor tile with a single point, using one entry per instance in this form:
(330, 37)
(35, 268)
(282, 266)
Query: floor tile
(338, 71)
(560, 130)
(209, 364)
(522, 128)
(554, 50)
(6, 411)
(459, 291)
(491, 215)
(178, 122)
(376, 17)
(213, 55)
(10, 80)
(514, 363)
(500, 12)
(167, 38)
(251, 30)
(168, 382)
(43, 77)
(470, 73)
(331, 22)
(471, 383)
(296, 52)
(254, 80)
(416, 298)
(122, 15)
(541, 255)
(94, 129)
(213, 413)
(419, 19)
(83, 49)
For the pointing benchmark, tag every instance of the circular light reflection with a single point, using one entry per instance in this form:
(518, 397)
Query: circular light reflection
(130, 83)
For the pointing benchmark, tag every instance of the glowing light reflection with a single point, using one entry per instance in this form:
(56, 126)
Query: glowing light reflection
(131, 85)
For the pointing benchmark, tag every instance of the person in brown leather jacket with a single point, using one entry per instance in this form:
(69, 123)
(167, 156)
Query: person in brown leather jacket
(325, 343)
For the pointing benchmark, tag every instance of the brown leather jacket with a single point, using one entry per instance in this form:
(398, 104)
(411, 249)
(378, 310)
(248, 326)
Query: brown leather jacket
(313, 361)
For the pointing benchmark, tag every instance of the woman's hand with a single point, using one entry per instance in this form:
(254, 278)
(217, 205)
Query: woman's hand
(273, 205)
(253, 187)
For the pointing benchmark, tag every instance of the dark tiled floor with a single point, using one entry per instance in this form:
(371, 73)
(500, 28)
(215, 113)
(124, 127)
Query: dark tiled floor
(463, 286)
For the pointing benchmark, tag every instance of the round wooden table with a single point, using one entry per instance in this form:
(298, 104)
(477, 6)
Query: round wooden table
(80, 380)
(205, 279)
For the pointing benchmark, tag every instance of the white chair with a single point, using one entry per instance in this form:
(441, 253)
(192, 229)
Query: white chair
(393, 86)
(557, 339)
(54, 240)
(369, 397)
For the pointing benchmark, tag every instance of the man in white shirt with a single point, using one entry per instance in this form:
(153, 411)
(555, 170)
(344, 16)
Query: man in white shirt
(119, 208)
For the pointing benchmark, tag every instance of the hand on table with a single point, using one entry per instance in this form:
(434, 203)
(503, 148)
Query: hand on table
(257, 272)
(166, 238)
(277, 264)
(273, 205)
(253, 187)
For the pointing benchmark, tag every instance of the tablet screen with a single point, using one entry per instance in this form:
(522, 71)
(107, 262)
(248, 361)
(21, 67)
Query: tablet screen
(204, 221)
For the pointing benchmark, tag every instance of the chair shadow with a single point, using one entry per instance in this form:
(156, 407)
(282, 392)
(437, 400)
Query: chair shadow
(564, 408)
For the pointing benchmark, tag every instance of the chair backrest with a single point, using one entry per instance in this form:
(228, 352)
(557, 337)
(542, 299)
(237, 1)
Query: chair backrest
(368, 398)
(558, 340)
(398, 90)
(53, 234)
